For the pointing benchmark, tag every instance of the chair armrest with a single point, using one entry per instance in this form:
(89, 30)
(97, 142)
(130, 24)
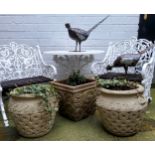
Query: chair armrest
(98, 68)
(148, 69)
(52, 67)
(147, 74)
(49, 70)
(1, 88)
(2, 109)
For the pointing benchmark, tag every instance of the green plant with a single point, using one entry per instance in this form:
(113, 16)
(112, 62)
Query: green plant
(41, 90)
(76, 79)
(117, 84)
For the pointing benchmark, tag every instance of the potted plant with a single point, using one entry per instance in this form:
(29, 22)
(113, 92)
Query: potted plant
(120, 106)
(33, 109)
(77, 96)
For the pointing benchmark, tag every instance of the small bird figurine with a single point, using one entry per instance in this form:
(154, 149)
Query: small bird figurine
(80, 35)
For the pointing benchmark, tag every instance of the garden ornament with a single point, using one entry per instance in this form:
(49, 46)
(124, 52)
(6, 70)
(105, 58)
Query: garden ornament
(80, 35)
(125, 61)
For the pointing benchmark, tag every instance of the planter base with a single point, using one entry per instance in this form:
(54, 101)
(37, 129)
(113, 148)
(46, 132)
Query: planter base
(121, 123)
(121, 112)
(30, 117)
(77, 102)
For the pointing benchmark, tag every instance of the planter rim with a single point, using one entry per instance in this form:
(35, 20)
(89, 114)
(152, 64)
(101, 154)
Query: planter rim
(25, 96)
(77, 88)
(139, 89)
(74, 87)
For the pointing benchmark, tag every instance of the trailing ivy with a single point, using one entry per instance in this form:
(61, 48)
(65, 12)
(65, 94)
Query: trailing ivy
(41, 90)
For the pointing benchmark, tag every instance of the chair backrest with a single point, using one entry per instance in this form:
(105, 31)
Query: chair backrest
(19, 61)
(133, 46)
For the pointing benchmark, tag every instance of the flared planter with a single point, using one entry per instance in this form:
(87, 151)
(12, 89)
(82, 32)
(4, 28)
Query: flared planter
(76, 102)
(30, 116)
(121, 112)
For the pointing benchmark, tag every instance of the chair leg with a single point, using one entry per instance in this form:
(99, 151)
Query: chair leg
(5, 119)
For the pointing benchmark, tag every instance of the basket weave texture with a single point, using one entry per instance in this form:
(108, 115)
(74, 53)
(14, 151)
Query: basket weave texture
(30, 117)
(77, 102)
(121, 115)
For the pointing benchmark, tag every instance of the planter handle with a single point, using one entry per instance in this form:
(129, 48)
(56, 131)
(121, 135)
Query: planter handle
(142, 101)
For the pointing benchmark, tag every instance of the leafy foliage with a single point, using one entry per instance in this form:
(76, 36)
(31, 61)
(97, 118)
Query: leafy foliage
(76, 79)
(41, 90)
(117, 84)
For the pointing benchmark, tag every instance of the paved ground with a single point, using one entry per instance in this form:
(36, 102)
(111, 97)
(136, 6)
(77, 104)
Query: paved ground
(90, 129)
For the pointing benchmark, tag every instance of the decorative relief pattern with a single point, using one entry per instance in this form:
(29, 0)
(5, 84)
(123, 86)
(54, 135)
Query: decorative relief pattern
(147, 73)
(21, 61)
(77, 106)
(30, 122)
(66, 64)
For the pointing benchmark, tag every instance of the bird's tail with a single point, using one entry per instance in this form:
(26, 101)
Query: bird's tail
(91, 29)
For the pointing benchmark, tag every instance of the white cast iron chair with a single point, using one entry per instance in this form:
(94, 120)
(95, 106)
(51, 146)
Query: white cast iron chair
(145, 66)
(19, 61)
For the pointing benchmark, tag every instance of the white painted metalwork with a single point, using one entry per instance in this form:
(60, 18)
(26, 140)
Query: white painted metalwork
(147, 74)
(19, 61)
(2, 109)
(142, 46)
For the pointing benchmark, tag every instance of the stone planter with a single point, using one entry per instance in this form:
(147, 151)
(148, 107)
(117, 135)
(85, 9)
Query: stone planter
(29, 114)
(121, 112)
(76, 102)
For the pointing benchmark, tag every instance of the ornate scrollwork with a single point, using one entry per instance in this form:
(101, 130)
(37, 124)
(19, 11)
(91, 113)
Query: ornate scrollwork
(141, 46)
(21, 61)
(147, 73)
(114, 50)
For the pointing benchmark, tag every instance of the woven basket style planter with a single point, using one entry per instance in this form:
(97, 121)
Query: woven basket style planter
(121, 112)
(29, 114)
(76, 102)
